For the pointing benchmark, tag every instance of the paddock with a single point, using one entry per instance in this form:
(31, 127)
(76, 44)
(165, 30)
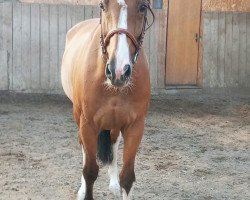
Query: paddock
(195, 147)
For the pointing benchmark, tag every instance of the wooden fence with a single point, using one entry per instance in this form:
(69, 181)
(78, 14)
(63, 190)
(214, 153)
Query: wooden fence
(32, 38)
(226, 56)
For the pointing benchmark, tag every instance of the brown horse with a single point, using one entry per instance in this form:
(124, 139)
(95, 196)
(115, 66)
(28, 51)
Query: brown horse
(105, 74)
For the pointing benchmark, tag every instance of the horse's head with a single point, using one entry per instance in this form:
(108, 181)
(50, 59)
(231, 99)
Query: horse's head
(123, 24)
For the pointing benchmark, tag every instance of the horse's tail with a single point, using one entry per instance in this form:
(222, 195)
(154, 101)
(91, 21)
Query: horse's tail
(104, 149)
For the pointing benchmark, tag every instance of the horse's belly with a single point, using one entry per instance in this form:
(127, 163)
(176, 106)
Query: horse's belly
(77, 39)
(66, 74)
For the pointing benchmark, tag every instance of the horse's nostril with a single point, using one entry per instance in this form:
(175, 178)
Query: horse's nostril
(127, 71)
(108, 72)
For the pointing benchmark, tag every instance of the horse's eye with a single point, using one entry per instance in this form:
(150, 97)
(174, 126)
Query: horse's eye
(143, 8)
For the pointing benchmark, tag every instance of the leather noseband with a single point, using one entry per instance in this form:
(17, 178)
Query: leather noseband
(120, 31)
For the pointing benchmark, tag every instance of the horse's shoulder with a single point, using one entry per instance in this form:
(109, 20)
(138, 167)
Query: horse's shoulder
(81, 26)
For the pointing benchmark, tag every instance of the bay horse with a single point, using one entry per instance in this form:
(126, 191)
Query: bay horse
(105, 74)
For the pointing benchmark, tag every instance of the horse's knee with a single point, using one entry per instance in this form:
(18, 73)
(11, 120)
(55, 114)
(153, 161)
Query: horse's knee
(127, 177)
(90, 173)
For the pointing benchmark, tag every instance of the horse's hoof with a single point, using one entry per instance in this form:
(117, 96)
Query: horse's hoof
(115, 188)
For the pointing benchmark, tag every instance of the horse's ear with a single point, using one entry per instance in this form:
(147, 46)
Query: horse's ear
(105, 1)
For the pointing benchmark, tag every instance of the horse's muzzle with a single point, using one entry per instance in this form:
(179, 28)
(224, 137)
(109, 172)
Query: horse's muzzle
(118, 79)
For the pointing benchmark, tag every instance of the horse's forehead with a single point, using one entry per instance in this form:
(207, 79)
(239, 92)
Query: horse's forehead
(126, 2)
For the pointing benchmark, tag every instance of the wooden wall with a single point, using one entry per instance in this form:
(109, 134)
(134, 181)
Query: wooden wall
(72, 2)
(32, 38)
(226, 56)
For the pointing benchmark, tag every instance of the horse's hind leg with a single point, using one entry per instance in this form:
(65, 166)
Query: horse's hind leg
(88, 138)
(114, 185)
(132, 139)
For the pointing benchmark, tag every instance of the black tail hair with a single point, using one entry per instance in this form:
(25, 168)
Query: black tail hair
(104, 149)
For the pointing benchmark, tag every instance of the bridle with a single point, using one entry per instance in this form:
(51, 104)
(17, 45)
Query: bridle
(137, 42)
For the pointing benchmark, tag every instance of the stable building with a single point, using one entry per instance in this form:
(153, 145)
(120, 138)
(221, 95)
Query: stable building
(196, 45)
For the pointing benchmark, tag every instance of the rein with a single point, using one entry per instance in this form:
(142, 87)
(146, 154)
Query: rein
(104, 41)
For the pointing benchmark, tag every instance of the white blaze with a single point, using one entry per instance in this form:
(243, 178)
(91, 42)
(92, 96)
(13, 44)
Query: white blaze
(122, 52)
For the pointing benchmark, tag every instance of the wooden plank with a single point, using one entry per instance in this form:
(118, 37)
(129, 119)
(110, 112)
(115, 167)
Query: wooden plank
(45, 57)
(17, 78)
(8, 20)
(77, 14)
(207, 50)
(201, 51)
(221, 49)
(214, 51)
(69, 17)
(228, 49)
(161, 37)
(53, 47)
(248, 51)
(88, 12)
(153, 56)
(96, 12)
(235, 51)
(5, 41)
(35, 47)
(242, 49)
(3, 63)
(81, 13)
(62, 30)
(26, 53)
(146, 45)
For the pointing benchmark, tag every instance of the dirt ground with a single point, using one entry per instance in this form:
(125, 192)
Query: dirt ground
(195, 147)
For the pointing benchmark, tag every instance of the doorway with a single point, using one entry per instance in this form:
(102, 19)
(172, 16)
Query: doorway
(183, 38)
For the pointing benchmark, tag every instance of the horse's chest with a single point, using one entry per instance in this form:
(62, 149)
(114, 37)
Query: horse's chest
(114, 117)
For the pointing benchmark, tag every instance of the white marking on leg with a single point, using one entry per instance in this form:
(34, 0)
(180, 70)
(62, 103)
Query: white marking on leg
(82, 190)
(126, 196)
(122, 52)
(114, 185)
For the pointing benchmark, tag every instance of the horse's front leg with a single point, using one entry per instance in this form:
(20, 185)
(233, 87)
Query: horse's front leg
(132, 139)
(88, 139)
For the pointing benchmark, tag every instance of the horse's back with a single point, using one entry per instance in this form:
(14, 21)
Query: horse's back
(77, 39)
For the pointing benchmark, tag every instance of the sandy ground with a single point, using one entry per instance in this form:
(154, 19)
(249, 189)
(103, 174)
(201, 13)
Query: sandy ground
(195, 147)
